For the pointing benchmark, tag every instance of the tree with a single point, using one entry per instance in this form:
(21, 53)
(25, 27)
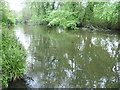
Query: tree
(70, 15)
(6, 15)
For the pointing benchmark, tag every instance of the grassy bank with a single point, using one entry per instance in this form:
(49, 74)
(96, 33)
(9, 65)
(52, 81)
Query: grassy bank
(13, 58)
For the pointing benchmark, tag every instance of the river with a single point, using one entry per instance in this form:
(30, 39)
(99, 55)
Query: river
(58, 58)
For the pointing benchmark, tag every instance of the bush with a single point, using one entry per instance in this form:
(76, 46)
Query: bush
(62, 18)
(37, 20)
(13, 58)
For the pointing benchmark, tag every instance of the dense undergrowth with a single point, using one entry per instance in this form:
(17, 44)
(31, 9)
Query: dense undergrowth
(6, 16)
(12, 54)
(13, 58)
(72, 15)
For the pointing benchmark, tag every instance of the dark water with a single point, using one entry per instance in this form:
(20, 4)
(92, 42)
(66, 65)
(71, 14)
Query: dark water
(69, 59)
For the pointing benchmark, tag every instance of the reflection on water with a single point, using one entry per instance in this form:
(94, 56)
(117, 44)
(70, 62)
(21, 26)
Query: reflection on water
(80, 59)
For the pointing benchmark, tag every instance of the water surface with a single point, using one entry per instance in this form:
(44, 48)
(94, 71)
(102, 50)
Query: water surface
(59, 58)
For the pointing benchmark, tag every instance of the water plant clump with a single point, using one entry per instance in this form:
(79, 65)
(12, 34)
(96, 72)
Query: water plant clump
(13, 58)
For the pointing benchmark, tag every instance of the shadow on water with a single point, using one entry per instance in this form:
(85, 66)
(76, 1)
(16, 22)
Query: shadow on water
(61, 59)
(18, 84)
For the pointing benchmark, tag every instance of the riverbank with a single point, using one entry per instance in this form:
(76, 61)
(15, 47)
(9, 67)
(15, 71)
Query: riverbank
(13, 58)
(72, 15)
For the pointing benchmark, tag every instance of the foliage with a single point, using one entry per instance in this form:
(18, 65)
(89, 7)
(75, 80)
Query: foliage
(13, 58)
(62, 18)
(6, 15)
(106, 14)
(12, 53)
(70, 15)
(37, 20)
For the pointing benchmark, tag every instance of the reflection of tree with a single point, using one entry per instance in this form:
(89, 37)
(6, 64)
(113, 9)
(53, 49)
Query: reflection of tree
(59, 62)
(101, 63)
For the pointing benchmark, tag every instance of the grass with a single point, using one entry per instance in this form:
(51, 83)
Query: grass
(13, 58)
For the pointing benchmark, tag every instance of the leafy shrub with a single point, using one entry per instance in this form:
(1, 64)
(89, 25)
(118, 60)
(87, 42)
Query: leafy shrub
(37, 20)
(13, 58)
(62, 18)
(105, 15)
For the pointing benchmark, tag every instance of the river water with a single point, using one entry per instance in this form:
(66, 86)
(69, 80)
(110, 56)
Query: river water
(58, 58)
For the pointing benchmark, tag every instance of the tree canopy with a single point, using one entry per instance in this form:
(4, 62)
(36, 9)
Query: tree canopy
(7, 18)
(71, 15)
